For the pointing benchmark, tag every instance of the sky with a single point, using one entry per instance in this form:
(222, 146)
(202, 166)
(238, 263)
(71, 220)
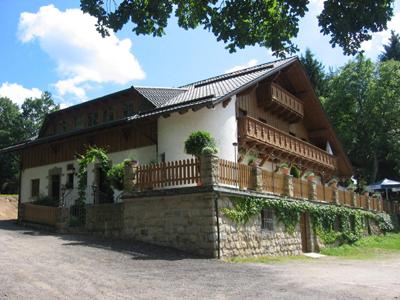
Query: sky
(50, 45)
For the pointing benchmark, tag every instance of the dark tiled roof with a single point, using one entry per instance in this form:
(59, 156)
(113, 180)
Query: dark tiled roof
(222, 85)
(159, 95)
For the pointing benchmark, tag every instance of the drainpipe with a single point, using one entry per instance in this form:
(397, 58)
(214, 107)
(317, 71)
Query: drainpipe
(216, 197)
(19, 187)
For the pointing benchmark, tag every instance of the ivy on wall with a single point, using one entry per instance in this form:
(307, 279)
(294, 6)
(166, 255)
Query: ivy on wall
(330, 222)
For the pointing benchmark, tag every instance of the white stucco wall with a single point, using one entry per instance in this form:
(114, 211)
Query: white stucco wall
(143, 155)
(220, 122)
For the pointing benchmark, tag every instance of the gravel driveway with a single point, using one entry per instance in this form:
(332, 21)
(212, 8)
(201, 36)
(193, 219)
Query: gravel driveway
(36, 265)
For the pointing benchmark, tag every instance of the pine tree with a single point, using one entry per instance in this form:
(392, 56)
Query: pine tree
(391, 50)
(315, 71)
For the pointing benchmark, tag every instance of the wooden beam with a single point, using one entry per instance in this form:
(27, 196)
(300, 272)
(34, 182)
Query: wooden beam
(184, 111)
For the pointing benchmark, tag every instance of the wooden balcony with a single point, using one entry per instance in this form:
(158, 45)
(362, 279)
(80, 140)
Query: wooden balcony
(284, 145)
(277, 100)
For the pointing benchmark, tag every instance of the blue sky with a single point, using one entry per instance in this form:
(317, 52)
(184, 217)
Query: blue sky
(52, 46)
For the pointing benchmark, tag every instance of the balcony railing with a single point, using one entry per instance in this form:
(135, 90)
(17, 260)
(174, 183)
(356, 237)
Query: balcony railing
(252, 129)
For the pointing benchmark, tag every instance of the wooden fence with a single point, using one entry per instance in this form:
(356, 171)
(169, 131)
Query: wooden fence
(187, 172)
(234, 174)
(39, 214)
(168, 174)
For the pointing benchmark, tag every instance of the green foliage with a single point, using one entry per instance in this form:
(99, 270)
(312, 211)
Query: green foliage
(116, 175)
(324, 217)
(34, 112)
(315, 71)
(384, 222)
(90, 156)
(240, 23)
(46, 201)
(209, 150)
(199, 140)
(391, 50)
(367, 247)
(363, 103)
(295, 172)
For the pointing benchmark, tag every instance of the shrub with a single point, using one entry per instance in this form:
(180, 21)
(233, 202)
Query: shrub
(197, 141)
(46, 201)
(209, 150)
(384, 222)
(116, 175)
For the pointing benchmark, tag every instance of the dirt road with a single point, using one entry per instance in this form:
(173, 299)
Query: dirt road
(8, 207)
(36, 265)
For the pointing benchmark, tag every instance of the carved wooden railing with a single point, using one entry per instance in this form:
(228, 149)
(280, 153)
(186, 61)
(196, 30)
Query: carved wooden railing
(286, 99)
(250, 128)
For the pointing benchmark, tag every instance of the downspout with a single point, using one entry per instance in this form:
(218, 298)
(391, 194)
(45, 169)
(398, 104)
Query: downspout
(20, 187)
(216, 197)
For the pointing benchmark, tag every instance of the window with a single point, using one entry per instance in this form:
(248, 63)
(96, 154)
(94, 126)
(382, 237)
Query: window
(63, 126)
(267, 219)
(92, 119)
(70, 181)
(128, 109)
(35, 188)
(78, 122)
(108, 115)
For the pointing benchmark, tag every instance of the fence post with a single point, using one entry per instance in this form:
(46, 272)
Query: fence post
(335, 192)
(256, 173)
(130, 178)
(353, 197)
(368, 202)
(288, 188)
(209, 169)
(312, 189)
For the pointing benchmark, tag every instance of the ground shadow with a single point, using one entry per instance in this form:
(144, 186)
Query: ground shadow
(138, 250)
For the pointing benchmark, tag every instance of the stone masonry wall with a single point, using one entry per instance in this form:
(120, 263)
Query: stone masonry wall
(185, 222)
(251, 240)
(105, 219)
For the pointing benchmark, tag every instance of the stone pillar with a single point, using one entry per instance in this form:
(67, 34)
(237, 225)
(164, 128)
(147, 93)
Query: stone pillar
(312, 189)
(130, 178)
(209, 169)
(257, 179)
(335, 192)
(353, 198)
(288, 188)
(368, 202)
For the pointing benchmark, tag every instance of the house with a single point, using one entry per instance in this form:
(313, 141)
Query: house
(268, 114)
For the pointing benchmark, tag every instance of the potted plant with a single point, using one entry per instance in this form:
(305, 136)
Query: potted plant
(284, 168)
(310, 176)
(251, 160)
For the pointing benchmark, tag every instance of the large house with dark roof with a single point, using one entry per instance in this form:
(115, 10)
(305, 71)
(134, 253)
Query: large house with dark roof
(269, 112)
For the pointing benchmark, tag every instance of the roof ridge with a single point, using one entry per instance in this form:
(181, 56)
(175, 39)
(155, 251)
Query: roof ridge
(235, 73)
(159, 87)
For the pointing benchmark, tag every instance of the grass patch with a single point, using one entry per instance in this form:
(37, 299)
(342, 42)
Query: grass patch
(368, 247)
(268, 259)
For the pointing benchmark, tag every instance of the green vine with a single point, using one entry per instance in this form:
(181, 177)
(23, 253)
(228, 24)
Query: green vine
(90, 156)
(330, 222)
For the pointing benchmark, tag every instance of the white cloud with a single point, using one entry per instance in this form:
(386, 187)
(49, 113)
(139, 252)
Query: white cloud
(374, 46)
(17, 93)
(249, 64)
(81, 54)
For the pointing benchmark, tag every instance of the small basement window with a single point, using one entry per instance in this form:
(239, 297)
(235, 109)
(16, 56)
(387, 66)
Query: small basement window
(267, 219)
(35, 184)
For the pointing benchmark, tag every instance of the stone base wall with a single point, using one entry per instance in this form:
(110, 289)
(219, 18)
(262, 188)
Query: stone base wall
(251, 240)
(185, 222)
(105, 219)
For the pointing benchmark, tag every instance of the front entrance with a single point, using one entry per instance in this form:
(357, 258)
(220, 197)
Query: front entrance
(305, 232)
(55, 187)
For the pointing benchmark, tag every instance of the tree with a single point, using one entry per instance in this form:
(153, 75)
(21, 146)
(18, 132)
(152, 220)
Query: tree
(391, 50)
(363, 102)
(315, 71)
(34, 112)
(239, 23)
(10, 132)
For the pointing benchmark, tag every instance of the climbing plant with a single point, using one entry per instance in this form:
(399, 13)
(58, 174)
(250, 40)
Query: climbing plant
(330, 222)
(90, 156)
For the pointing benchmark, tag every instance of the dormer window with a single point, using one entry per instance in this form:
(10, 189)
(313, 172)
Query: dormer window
(108, 115)
(128, 109)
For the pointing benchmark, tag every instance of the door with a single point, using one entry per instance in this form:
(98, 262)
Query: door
(305, 232)
(55, 187)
